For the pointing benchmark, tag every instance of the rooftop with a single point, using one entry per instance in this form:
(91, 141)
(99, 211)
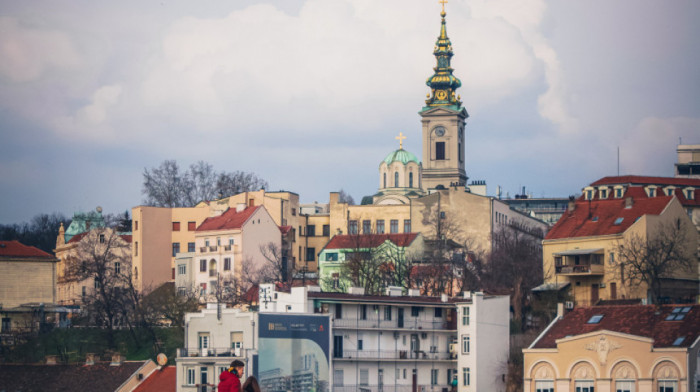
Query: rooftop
(75, 377)
(18, 249)
(230, 219)
(363, 241)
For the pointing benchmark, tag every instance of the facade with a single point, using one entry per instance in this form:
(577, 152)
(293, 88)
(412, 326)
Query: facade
(398, 342)
(688, 164)
(222, 244)
(27, 286)
(639, 348)
(388, 251)
(161, 233)
(214, 337)
(546, 209)
(582, 246)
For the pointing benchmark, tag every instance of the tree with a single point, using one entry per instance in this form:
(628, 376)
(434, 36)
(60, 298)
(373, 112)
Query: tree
(167, 186)
(664, 254)
(277, 268)
(164, 303)
(515, 264)
(344, 197)
(41, 231)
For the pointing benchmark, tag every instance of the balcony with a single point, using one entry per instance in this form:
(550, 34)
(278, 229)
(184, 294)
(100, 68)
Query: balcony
(374, 355)
(208, 249)
(209, 352)
(581, 269)
(390, 388)
(410, 324)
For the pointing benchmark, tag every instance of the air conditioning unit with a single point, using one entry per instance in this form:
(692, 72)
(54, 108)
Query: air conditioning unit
(569, 304)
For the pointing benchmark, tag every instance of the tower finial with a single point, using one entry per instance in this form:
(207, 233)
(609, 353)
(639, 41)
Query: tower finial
(443, 83)
(400, 138)
(443, 2)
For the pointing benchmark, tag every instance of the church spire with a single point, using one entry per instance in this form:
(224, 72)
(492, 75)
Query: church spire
(443, 84)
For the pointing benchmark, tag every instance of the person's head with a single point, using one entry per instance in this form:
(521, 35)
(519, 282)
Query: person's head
(237, 367)
(251, 384)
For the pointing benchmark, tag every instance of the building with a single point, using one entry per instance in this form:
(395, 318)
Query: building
(161, 233)
(398, 342)
(27, 288)
(638, 348)
(222, 244)
(214, 337)
(389, 253)
(688, 164)
(582, 247)
(546, 209)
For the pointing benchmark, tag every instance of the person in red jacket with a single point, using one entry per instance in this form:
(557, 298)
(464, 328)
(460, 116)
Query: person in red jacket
(229, 379)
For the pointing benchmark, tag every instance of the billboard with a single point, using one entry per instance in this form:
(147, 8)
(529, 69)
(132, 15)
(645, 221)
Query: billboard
(293, 353)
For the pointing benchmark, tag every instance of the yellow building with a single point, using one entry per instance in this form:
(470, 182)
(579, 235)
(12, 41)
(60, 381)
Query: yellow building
(581, 248)
(639, 348)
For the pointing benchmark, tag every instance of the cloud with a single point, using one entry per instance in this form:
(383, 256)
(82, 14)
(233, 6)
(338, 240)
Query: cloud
(27, 53)
(91, 122)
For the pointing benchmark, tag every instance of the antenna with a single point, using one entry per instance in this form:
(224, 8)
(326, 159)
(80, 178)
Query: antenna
(618, 161)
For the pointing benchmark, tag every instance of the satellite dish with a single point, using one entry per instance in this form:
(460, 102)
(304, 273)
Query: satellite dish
(98, 209)
(162, 359)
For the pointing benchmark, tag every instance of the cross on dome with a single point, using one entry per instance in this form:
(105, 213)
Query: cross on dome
(400, 138)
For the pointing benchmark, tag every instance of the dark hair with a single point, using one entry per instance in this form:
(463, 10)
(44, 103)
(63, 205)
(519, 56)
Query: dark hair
(250, 385)
(237, 363)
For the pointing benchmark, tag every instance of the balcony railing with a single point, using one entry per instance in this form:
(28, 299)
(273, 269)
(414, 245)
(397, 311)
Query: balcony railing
(209, 352)
(227, 248)
(394, 324)
(208, 249)
(394, 354)
(581, 269)
(390, 388)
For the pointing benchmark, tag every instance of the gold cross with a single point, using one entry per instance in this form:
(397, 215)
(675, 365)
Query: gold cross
(400, 139)
(443, 2)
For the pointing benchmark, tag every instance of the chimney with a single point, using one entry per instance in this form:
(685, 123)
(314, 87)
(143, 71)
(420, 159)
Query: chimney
(394, 291)
(560, 309)
(117, 359)
(629, 202)
(443, 297)
(572, 204)
(413, 293)
(334, 198)
(90, 359)
(51, 359)
(356, 291)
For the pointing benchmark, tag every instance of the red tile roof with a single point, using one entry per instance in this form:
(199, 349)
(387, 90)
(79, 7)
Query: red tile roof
(285, 229)
(76, 377)
(230, 219)
(582, 222)
(18, 249)
(159, 381)
(641, 320)
(637, 183)
(351, 241)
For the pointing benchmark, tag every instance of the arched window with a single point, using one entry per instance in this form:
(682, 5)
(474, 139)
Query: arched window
(410, 180)
(384, 180)
(396, 179)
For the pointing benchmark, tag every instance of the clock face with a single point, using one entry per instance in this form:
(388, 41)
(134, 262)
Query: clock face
(441, 94)
(439, 131)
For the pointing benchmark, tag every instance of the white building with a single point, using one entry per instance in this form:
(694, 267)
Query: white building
(214, 338)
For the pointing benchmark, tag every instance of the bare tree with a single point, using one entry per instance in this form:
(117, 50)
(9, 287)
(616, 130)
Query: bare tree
(199, 183)
(663, 255)
(344, 197)
(277, 267)
(233, 183)
(163, 185)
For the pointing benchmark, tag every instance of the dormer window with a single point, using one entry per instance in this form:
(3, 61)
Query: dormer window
(618, 221)
(619, 192)
(651, 191)
(595, 319)
(603, 192)
(689, 194)
(589, 193)
(669, 190)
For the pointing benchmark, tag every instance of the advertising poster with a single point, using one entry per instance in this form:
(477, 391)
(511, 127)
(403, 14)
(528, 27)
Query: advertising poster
(293, 353)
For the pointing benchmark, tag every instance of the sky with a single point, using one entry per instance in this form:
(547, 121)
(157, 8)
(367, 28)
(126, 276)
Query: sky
(310, 94)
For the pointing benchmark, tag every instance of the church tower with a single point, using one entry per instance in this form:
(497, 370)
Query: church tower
(444, 119)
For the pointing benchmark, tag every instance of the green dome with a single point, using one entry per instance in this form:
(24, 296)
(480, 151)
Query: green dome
(402, 156)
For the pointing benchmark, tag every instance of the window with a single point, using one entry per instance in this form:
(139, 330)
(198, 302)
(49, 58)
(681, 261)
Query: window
(202, 265)
(176, 248)
(360, 343)
(366, 226)
(415, 310)
(689, 193)
(332, 256)
(396, 179)
(394, 226)
(84, 293)
(679, 341)
(466, 344)
(97, 284)
(190, 380)
(678, 313)
(618, 221)
(190, 246)
(434, 376)
(406, 225)
(352, 227)
(410, 180)
(311, 231)
(176, 226)
(544, 386)
(603, 193)
(438, 313)
(203, 340)
(363, 312)
(117, 267)
(589, 194)
(136, 248)
(466, 377)
(651, 192)
(667, 386)
(440, 151)
(230, 241)
(102, 238)
(338, 377)
(7, 323)
(227, 264)
(191, 226)
(326, 230)
(384, 181)
(584, 386)
(364, 376)
(380, 226)
(181, 269)
(387, 313)
(624, 386)
(669, 191)
(595, 319)
(206, 242)
(310, 254)
(465, 315)
(338, 311)
(618, 192)
(136, 225)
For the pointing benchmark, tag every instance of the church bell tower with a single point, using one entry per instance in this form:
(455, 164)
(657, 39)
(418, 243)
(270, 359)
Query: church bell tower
(443, 119)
